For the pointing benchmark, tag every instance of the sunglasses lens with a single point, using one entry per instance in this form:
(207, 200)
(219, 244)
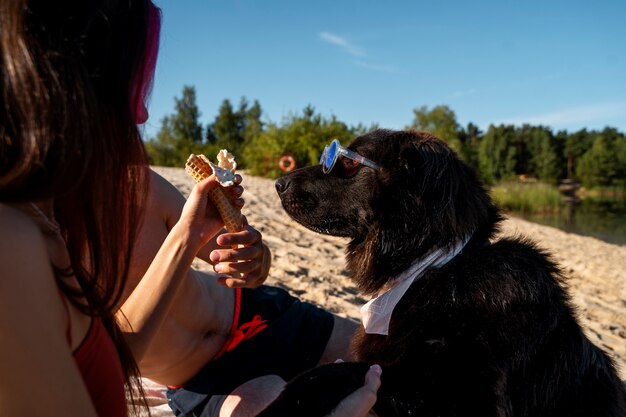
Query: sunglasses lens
(329, 156)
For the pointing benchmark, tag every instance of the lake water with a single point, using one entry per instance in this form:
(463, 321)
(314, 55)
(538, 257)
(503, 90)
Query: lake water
(604, 219)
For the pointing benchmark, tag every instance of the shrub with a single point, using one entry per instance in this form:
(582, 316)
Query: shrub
(527, 197)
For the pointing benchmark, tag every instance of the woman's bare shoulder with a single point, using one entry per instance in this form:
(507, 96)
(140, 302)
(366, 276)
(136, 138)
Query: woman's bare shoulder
(23, 253)
(161, 188)
(17, 227)
(165, 198)
(29, 295)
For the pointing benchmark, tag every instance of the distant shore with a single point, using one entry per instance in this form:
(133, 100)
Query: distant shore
(311, 266)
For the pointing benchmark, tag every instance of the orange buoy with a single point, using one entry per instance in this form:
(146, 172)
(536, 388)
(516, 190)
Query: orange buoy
(286, 163)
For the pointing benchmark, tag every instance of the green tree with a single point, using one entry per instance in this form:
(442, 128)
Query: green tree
(162, 150)
(232, 129)
(604, 163)
(441, 122)
(301, 136)
(598, 166)
(523, 139)
(544, 160)
(560, 142)
(496, 153)
(226, 127)
(575, 147)
(620, 155)
(536, 153)
(470, 138)
(252, 124)
(185, 124)
(180, 133)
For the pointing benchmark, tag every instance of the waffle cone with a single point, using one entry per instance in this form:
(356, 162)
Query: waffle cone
(199, 168)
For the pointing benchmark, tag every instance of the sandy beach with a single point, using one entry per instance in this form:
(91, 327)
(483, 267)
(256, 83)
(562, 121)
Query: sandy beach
(312, 266)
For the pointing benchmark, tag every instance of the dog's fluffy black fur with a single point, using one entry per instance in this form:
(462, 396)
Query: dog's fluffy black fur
(491, 333)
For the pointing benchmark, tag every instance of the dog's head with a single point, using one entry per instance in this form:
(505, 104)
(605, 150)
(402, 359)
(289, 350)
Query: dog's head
(422, 197)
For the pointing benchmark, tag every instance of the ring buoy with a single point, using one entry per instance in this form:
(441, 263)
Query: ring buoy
(286, 163)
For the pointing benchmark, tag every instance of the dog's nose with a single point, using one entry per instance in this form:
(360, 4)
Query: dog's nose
(281, 185)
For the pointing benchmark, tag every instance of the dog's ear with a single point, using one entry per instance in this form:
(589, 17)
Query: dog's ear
(428, 164)
(411, 159)
(402, 219)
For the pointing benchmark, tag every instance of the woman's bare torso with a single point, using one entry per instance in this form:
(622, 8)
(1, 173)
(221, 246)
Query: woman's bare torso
(202, 313)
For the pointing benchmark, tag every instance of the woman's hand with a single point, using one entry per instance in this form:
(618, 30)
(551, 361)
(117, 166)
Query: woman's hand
(199, 218)
(247, 261)
(361, 401)
(246, 266)
(242, 260)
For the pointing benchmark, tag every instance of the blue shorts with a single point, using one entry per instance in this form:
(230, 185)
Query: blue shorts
(291, 339)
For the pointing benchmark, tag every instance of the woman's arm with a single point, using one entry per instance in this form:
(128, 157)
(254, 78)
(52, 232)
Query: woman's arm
(38, 375)
(143, 312)
(148, 302)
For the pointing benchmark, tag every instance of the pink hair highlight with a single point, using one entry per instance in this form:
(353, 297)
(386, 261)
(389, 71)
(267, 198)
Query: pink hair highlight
(145, 76)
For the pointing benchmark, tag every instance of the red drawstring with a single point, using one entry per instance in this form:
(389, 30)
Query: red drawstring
(239, 333)
(246, 331)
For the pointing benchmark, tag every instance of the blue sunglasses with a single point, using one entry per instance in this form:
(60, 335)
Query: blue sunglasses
(333, 151)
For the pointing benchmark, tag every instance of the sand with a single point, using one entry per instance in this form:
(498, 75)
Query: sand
(312, 266)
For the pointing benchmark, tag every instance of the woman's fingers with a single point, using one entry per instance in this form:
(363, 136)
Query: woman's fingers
(249, 236)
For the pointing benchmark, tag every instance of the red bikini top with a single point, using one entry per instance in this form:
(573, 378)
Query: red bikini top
(101, 369)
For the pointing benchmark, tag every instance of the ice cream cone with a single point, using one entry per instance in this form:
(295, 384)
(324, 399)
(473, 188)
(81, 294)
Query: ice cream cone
(199, 168)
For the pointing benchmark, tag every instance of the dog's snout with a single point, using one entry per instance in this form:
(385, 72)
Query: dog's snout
(281, 185)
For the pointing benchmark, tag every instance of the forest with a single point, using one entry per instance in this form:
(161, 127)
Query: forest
(594, 158)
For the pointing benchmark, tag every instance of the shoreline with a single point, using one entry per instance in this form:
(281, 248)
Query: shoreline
(617, 241)
(312, 266)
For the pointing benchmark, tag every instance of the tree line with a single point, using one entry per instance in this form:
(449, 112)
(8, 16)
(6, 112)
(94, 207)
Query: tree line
(503, 152)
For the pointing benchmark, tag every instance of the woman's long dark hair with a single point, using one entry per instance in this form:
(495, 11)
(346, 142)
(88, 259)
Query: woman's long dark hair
(72, 73)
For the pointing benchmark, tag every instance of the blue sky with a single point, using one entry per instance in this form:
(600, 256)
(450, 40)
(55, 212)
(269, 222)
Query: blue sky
(557, 63)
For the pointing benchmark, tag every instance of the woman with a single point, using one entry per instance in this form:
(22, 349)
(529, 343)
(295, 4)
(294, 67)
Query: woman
(72, 180)
(73, 175)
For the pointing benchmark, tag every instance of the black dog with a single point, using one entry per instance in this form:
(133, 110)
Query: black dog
(490, 332)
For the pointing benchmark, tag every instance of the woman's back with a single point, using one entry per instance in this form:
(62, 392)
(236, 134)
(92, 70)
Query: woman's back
(34, 310)
(34, 348)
